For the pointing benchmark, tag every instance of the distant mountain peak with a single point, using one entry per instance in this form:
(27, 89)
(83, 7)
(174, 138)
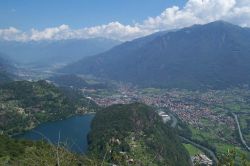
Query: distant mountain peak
(221, 23)
(200, 56)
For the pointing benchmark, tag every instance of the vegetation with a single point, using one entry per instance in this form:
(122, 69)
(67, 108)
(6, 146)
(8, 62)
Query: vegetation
(134, 134)
(216, 145)
(23, 105)
(230, 159)
(215, 129)
(245, 126)
(79, 101)
(121, 134)
(192, 150)
(23, 153)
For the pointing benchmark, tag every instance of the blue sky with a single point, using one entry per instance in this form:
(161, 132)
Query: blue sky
(34, 20)
(39, 14)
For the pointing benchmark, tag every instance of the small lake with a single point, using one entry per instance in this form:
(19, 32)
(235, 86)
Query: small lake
(73, 132)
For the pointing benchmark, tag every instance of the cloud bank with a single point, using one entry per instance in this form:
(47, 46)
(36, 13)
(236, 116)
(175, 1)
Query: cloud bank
(193, 12)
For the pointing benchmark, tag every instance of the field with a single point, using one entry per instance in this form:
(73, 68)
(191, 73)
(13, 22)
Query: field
(217, 142)
(192, 150)
(244, 120)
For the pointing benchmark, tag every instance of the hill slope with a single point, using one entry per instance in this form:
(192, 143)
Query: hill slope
(134, 134)
(215, 55)
(23, 105)
(22, 153)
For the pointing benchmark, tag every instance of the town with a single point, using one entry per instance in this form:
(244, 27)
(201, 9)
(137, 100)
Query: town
(205, 113)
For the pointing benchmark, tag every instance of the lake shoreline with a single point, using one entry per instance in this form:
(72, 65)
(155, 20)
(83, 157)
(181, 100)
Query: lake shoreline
(30, 128)
(72, 132)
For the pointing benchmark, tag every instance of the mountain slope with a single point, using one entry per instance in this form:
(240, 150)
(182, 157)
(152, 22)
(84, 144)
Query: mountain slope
(6, 70)
(49, 53)
(4, 77)
(215, 55)
(134, 135)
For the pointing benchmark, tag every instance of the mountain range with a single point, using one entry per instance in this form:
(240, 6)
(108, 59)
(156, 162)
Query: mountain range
(40, 54)
(215, 55)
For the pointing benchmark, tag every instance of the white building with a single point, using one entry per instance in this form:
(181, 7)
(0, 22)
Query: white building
(165, 117)
(202, 159)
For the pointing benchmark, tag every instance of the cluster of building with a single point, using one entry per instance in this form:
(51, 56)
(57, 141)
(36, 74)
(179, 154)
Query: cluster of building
(189, 108)
(201, 159)
(116, 99)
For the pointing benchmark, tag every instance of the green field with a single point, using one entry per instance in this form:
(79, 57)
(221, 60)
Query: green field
(192, 150)
(221, 146)
(244, 120)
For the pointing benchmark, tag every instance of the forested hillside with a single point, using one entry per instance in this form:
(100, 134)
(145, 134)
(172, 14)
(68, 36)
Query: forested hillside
(24, 104)
(135, 134)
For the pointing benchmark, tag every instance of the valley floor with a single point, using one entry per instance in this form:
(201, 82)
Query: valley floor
(208, 114)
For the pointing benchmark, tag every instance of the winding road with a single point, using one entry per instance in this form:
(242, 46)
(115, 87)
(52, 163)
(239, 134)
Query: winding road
(240, 133)
(203, 148)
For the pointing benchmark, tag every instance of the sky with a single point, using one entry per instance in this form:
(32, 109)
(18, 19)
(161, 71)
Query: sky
(34, 20)
(27, 14)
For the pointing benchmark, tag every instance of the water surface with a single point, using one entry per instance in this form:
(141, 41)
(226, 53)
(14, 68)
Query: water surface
(73, 132)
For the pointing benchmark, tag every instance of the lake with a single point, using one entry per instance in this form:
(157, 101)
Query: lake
(73, 132)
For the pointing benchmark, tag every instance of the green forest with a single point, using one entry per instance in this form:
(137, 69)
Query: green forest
(24, 105)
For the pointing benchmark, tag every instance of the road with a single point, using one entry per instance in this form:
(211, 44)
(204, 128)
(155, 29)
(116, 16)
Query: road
(174, 121)
(203, 148)
(240, 133)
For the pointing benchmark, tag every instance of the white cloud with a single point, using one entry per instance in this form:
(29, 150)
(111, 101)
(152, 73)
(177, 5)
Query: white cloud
(56, 33)
(193, 12)
(114, 30)
(12, 33)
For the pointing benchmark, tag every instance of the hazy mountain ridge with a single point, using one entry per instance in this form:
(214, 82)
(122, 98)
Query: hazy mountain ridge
(7, 69)
(214, 55)
(47, 53)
